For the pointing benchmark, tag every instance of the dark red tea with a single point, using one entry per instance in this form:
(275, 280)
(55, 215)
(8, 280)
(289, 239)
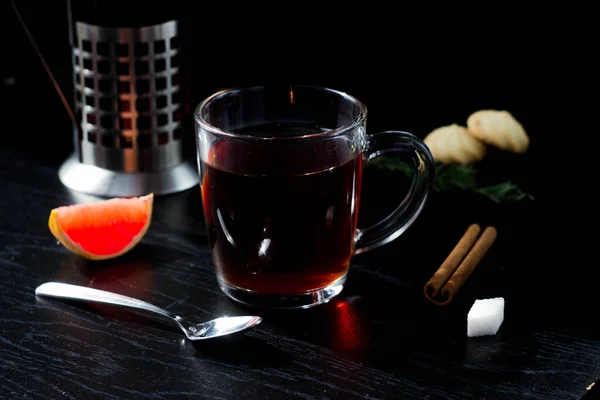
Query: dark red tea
(281, 218)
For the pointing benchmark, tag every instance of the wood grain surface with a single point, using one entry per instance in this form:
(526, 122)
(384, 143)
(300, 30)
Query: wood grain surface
(379, 339)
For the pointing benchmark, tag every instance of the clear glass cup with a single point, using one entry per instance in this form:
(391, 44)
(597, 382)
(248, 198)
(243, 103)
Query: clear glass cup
(281, 172)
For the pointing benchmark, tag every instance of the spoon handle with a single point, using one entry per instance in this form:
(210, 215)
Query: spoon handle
(82, 293)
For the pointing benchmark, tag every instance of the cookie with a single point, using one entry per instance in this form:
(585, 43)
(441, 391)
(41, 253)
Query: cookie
(452, 144)
(499, 129)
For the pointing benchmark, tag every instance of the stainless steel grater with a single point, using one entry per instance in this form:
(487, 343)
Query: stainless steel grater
(128, 103)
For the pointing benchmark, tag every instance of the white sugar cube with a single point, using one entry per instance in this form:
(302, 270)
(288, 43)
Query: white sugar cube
(485, 317)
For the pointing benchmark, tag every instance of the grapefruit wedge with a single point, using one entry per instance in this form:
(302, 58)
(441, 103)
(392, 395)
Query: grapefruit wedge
(102, 230)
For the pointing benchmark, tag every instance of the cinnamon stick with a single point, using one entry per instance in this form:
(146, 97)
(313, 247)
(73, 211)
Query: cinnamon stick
(459, 265)
(432, 288)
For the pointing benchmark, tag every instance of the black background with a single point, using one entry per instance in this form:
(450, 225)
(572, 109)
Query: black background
(416, 68)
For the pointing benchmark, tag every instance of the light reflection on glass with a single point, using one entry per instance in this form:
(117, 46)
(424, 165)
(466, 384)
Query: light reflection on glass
(264, 246)
(224, 228)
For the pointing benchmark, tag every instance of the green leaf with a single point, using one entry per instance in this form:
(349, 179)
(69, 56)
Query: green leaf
(457, 177)
(453, 177)
(392, 164)
(506, 191)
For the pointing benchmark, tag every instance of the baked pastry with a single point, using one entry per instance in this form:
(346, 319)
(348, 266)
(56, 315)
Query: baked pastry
(452, 144)
(499, 129)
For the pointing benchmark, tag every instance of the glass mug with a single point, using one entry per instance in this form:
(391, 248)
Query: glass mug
(281, 172)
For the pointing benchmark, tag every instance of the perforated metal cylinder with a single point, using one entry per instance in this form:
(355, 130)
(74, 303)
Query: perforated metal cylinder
(128, 96)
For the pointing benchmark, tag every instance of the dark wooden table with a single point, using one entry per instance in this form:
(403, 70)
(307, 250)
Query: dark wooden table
(379, 339)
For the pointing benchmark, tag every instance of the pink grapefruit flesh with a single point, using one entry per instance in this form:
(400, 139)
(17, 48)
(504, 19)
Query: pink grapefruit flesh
(102, 230)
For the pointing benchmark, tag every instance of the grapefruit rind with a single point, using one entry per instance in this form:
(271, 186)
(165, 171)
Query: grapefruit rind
(63, 238)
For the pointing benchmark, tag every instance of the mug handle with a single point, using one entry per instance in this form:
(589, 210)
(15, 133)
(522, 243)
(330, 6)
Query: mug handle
(406, 145)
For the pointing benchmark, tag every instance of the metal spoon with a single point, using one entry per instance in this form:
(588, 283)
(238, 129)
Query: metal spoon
(205, 330)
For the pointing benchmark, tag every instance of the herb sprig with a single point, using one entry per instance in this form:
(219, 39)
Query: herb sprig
(459, 178)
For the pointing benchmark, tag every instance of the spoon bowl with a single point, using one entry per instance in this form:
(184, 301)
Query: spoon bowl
(218, 327)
